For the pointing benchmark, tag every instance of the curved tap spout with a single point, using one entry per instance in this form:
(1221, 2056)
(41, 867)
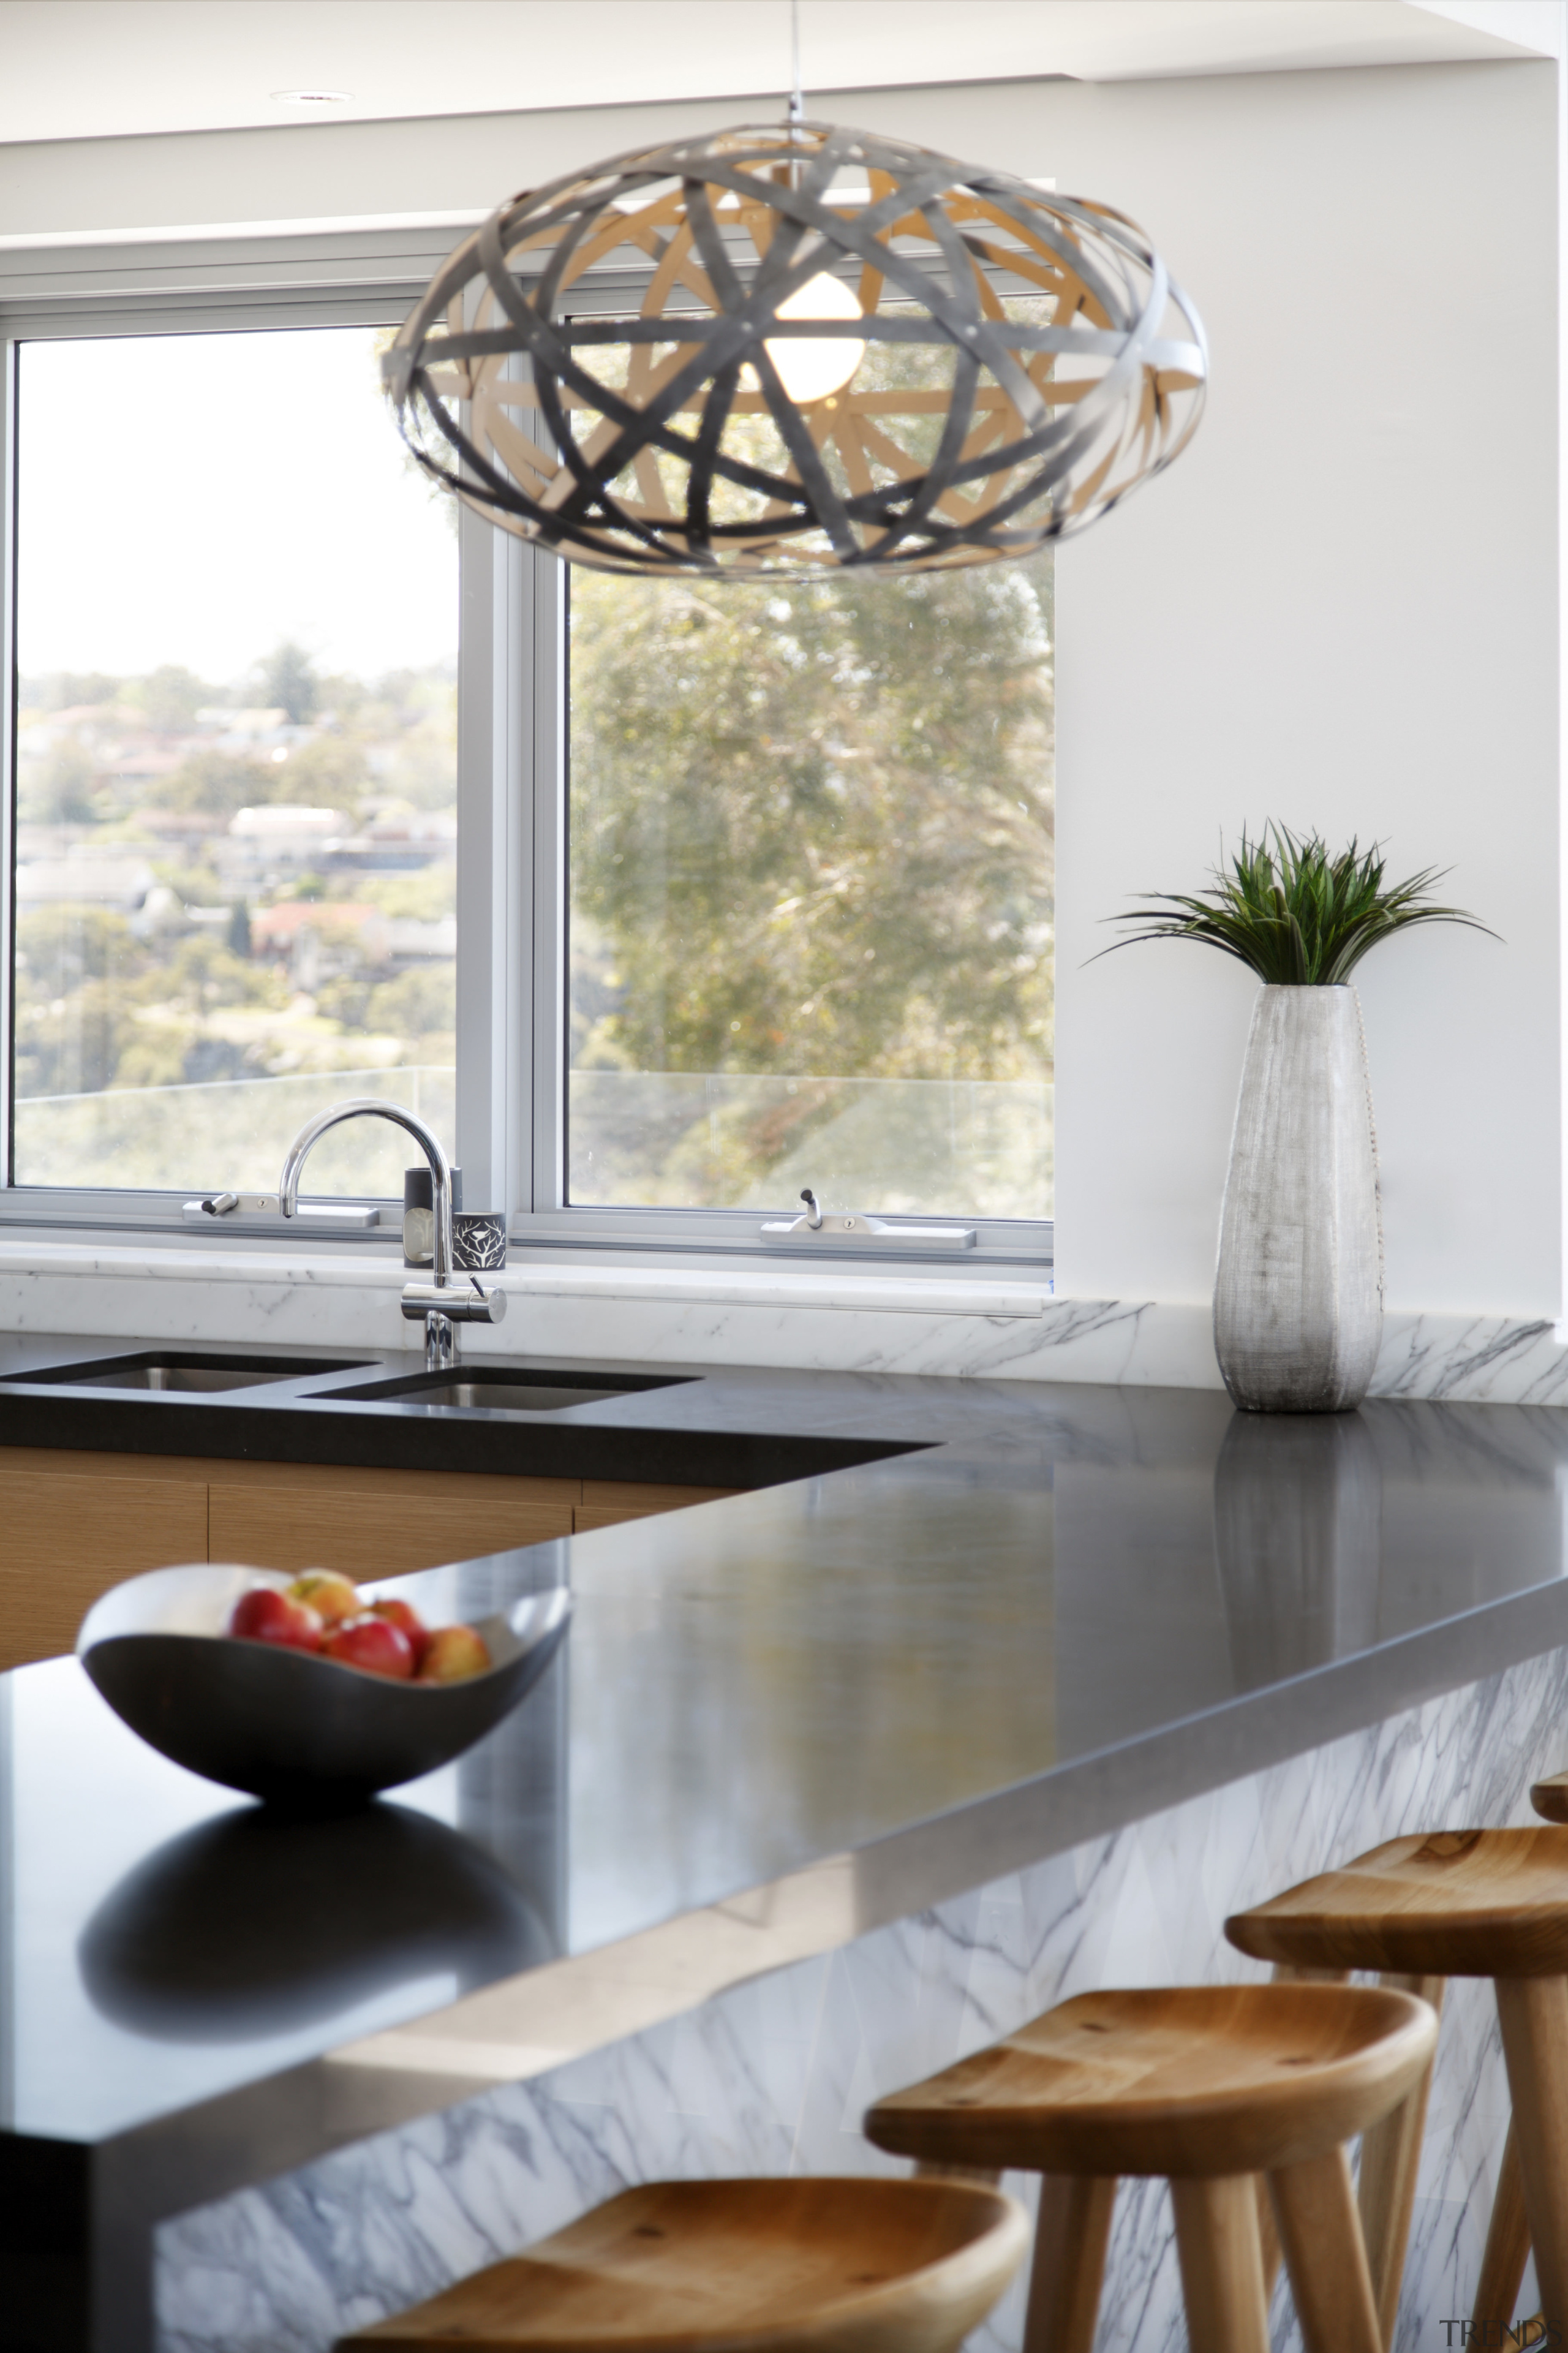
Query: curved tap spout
(367, 1107)
(441, 1302)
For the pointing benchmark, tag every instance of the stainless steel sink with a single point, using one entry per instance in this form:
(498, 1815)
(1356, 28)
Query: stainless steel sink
(474, 1389)
(179, 1372)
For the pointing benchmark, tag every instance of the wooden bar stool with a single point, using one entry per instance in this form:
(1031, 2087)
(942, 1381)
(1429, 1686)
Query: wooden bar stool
(1508, 2238)
(1207, 2086)
(1457, 1903)
(803, 2266)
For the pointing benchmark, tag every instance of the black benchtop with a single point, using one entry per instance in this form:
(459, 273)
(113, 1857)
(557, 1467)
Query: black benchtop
(1045, 1612)
(702, 1426)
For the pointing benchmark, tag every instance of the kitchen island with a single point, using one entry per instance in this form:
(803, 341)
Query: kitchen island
(1011, 1690)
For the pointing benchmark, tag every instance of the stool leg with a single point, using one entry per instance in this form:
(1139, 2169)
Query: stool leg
(1534, 2016)
(1325, 2256)
(1508, 2251)
(1390, 2161)
(1285, 1973)
(1222, 2263)
(1070, 2239)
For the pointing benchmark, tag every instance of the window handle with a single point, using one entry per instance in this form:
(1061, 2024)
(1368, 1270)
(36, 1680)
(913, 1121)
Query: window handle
(859, 1228)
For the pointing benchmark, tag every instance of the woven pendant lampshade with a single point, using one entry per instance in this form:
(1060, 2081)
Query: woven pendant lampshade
(760, 353)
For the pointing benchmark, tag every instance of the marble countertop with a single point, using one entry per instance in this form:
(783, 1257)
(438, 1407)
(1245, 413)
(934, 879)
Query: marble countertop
(778, 1721)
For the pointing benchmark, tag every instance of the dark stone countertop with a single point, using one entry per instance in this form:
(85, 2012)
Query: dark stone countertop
(960, 1625)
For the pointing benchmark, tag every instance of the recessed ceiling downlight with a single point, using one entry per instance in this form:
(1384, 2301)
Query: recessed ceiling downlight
(314, 97)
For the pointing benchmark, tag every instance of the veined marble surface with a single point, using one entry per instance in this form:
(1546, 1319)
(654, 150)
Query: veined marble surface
(810, 1319)
(773, 2077)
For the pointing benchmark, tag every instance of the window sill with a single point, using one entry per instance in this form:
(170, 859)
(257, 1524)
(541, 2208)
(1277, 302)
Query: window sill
(358, 1270)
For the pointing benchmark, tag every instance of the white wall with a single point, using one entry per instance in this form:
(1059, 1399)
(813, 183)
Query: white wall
(1340, 609)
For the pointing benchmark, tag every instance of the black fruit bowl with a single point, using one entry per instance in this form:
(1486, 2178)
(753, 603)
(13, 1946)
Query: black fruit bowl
(297, 1730)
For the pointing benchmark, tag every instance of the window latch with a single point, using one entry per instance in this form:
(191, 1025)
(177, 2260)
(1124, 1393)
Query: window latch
(857, 1229)
(262, 1213)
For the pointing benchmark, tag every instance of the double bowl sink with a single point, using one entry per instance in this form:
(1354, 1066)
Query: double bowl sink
(465, 1388)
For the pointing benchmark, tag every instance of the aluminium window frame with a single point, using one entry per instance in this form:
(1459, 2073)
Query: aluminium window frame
(176, 286)
(511, 978)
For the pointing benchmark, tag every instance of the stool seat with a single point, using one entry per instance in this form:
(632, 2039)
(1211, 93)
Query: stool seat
(1189, 2081)
(1211, 2086)
(802, 2266)
(1457, 1903)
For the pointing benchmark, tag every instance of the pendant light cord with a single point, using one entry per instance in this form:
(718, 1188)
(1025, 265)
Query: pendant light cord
(798, 97)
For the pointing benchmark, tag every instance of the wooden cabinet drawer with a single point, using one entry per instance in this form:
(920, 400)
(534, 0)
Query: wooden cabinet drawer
(364, 1535)
(77, 1523)
(69, 1538)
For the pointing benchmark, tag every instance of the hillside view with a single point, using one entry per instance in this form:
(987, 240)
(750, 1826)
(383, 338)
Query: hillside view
(221, 886)
(810, 896)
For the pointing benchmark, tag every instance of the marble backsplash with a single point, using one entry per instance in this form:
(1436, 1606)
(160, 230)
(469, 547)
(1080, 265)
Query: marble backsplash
(774, 2075)
(846, 1319)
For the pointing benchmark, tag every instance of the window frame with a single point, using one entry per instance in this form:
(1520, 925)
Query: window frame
(511, 977)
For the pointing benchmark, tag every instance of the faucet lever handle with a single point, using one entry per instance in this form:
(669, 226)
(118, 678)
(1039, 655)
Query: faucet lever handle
(474, 1303)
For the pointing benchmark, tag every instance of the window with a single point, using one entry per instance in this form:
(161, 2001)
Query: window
(810, 857)
(236, 764)
(660, 901)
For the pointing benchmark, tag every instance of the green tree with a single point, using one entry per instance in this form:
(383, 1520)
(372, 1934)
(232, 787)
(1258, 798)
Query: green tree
(62, 793)
(216, 783)
(170, 697)
(420, 1003)
(289, 682)
(812, 826)
(329, 772)
(73, 1017)
(204, 973)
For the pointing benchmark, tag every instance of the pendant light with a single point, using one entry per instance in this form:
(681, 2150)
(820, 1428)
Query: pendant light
(765, 351)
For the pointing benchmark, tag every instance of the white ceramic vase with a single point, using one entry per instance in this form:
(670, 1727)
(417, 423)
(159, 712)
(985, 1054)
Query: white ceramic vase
(1297, 1303)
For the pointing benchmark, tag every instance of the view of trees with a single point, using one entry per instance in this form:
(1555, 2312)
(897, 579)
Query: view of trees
(811, 854)
(811, 837)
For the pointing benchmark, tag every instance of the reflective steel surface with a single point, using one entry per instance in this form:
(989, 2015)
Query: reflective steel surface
(206, 1373)
(499, 1397)
(499, 1389)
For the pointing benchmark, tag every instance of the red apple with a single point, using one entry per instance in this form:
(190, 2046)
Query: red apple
(373, 1645)
(452, 1653)
(403, 1614)
(331, 1597)
(265, 1615)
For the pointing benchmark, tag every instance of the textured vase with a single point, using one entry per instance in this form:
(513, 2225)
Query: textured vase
(1297, 1303)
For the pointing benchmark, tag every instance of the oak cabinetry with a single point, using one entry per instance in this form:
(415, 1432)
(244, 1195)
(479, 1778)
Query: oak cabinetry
(75, 1525)
(376, 1522)
(67, 1539)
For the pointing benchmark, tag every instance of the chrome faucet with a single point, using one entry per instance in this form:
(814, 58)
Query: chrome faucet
(442, 1301)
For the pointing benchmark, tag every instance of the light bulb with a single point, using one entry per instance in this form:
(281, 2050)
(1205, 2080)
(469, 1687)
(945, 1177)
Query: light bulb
(810, 370)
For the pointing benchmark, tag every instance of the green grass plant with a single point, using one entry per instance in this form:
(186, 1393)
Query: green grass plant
(1294, 915)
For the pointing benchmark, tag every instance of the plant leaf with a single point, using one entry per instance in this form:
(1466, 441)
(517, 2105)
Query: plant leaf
(1294, 915)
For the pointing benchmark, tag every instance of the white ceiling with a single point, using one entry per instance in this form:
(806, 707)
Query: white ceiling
(95, 68)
